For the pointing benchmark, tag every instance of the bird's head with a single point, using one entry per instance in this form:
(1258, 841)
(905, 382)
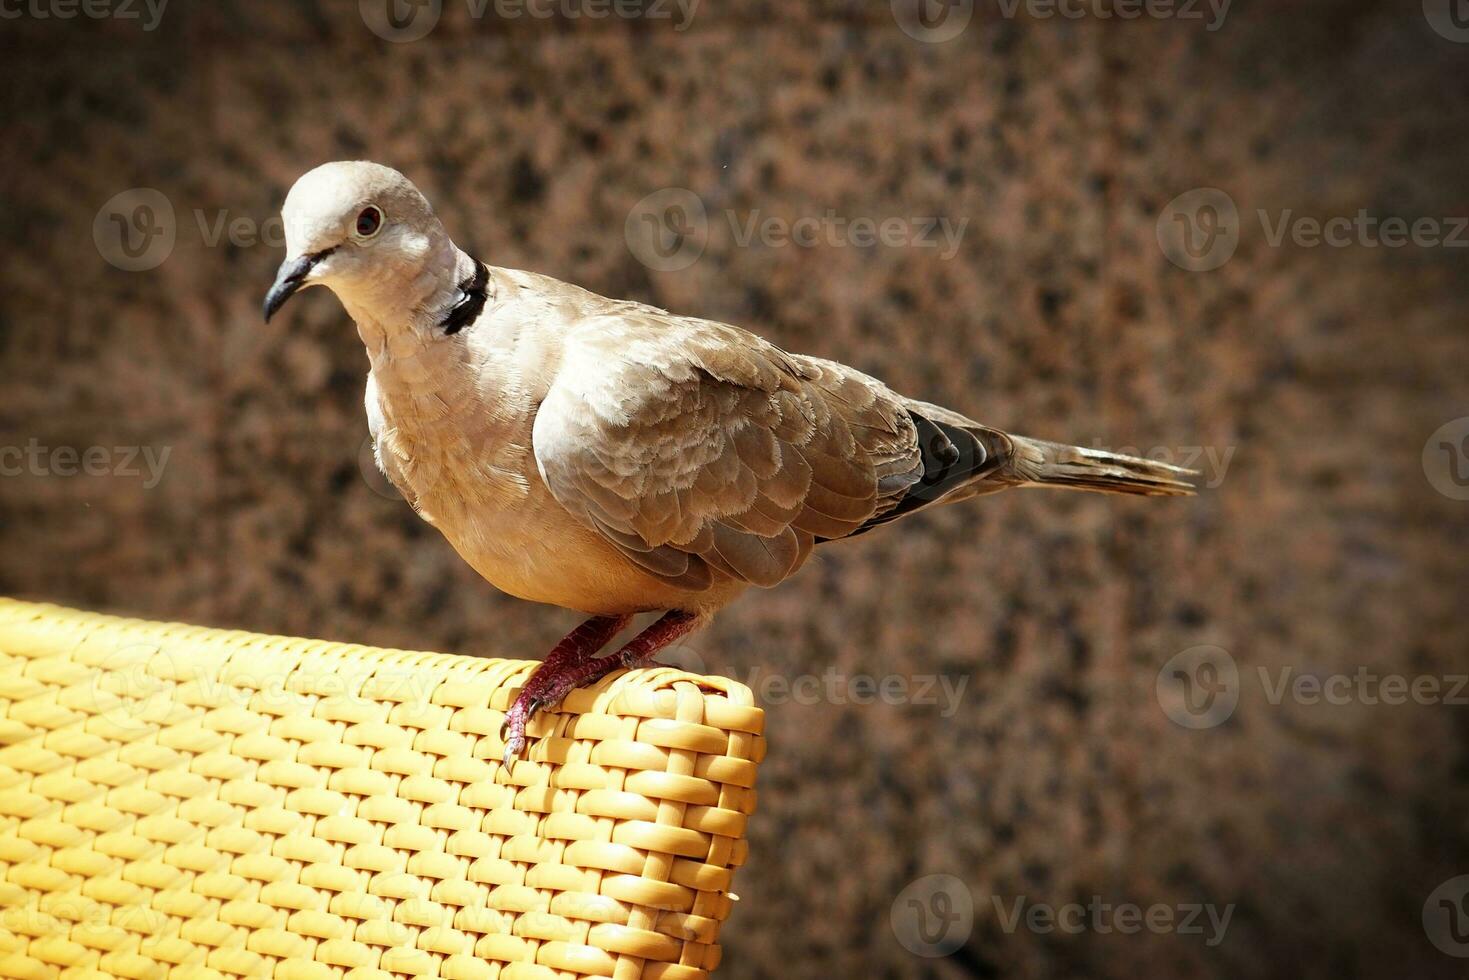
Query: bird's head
(361, 229)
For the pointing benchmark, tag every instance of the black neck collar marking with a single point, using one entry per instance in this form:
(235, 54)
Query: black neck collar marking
(473, 300)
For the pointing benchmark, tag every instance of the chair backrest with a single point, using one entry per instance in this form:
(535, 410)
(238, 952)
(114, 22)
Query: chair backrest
(178, 801)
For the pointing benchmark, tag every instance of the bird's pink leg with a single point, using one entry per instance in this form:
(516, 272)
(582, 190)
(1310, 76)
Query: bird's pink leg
(637, 653)
(588, 670)
(573, 650)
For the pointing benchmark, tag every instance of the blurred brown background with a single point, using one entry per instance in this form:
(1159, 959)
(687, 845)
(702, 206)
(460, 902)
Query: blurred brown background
(1314, 374)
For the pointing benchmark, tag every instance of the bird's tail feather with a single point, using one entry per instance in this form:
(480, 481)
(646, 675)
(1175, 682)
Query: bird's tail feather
(1041, 463)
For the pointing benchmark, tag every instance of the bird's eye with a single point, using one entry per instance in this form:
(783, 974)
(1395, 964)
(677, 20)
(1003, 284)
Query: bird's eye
(369, 221)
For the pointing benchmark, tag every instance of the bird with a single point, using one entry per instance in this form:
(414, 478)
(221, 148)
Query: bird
(615, 459)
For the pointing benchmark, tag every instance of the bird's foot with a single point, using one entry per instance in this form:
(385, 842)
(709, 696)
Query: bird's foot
(638, 652)
(559, 676)
(574, 649)
(640, 649)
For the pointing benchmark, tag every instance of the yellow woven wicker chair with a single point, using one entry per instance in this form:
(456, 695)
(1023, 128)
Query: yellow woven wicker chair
(186, 802)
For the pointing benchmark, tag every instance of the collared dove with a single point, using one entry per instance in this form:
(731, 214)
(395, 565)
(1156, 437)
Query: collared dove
(614, 458)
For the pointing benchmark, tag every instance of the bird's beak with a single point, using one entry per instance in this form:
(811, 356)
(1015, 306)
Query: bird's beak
(289, 280)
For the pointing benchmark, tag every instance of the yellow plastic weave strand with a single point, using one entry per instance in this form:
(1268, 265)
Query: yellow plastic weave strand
(186, 802)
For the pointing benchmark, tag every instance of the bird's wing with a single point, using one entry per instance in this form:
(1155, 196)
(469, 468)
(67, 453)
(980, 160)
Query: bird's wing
(695, 446)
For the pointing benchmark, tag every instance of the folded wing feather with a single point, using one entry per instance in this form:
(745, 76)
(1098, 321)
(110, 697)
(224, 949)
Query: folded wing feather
(694, 446)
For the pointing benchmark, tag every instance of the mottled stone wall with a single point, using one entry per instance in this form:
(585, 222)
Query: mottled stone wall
(1317, 373)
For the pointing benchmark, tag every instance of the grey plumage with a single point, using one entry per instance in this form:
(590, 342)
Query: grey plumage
(612, 457)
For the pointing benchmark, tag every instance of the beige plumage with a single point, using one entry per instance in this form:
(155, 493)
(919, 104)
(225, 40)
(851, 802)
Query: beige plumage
(614, 458)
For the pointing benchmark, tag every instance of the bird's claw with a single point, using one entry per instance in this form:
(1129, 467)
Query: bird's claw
(513, 749)
(517, 718)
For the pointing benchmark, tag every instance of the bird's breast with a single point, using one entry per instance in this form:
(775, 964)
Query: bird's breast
(470, 471)
(453, 451)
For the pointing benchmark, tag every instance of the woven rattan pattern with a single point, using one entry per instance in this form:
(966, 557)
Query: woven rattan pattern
(185, 802)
